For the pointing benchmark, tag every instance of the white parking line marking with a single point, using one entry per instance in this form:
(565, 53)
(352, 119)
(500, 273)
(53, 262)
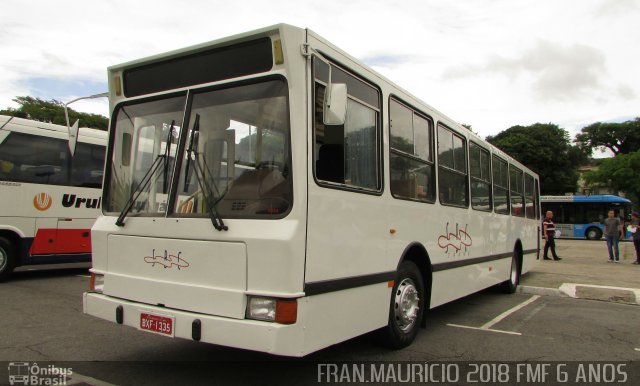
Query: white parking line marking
(638, 349)
(483, 329)
(487, 326)
(79, 379)
(503, 315)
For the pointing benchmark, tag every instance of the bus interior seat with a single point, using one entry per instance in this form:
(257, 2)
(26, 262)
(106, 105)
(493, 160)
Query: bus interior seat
(247, 194)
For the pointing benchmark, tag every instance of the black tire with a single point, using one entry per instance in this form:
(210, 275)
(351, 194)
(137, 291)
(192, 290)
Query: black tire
(403, 325)
(7, 259)
(593, 233)
(510, 286)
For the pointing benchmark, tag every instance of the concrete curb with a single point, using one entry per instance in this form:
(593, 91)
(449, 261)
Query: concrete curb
(587, 291)
(542, 291)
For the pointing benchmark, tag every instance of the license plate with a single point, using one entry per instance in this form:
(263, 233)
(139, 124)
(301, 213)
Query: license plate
(155, 323)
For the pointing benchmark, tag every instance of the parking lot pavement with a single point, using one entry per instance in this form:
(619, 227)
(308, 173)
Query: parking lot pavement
(584, 272)
(42, 322)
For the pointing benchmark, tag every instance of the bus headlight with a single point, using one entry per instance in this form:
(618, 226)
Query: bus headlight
(283, 311)
(96, 282)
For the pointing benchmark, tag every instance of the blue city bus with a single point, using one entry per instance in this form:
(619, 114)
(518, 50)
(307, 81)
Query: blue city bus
(583, 216)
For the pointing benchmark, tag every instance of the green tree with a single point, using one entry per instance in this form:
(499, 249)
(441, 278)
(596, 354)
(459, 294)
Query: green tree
(546, 149)
(621, 172)
(53, 111)
(620, 138)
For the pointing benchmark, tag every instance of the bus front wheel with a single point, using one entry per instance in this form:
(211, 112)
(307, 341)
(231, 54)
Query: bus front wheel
(406, 308)
(7, 258)
(593, 233)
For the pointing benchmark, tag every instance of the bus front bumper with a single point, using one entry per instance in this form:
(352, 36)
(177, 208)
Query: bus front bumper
(247, 334)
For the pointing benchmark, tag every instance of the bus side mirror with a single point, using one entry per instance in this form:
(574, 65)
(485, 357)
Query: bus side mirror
(335, 104)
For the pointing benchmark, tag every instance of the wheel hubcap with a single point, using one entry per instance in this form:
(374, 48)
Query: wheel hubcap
(406, 304)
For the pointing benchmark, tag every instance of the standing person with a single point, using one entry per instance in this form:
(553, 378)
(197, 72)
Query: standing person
(549, 229)
(635, 226)
(612, 232)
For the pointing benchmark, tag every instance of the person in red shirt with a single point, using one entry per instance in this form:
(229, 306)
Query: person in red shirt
(549, 230)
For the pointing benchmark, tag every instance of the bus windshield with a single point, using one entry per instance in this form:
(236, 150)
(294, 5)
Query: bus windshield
(141, 132)
(241, 146)
(238, 146)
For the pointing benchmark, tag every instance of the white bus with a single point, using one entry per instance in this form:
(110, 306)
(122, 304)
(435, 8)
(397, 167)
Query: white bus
(291, 217)
(48, 198)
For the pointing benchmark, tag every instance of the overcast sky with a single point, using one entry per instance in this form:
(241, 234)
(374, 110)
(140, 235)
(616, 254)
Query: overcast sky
(490, 64)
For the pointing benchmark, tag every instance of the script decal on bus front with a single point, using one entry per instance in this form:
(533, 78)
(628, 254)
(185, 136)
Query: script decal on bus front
(166, 260)
(457, 241)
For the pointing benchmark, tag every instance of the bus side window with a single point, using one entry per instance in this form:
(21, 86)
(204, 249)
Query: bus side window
(87, 165)
(500, 185)
(35, 159)
(480, 170)
(517, 191)
(348, 154)
(411, 154)
(452, 168)
(530, 196)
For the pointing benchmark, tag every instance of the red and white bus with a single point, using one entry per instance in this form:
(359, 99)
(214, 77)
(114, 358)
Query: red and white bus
(49, 199)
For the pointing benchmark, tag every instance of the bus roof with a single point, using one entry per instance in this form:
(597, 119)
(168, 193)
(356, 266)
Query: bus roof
(593, 198)
(84, 132)
(354, 64)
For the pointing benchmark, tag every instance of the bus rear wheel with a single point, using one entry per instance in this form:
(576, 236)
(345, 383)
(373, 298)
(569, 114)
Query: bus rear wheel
(593, 233)
(406, 308)
(7, 259)
(510, 286)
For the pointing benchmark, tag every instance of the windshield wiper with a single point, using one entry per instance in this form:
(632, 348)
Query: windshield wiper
(167, 154)
(205, 188)
(142, 186)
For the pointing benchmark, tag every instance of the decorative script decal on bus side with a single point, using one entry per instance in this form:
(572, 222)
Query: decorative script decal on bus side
(458, 241)
(42, 201)
(167, 260)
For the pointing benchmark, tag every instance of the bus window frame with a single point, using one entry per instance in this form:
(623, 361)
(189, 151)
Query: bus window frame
(379, 128)
(431, 163)
(533, 189)
(482, 148)
(465, 143)
(184, 136)
(66, 164)
(111, 148)
(512, 192)
(507, 188)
